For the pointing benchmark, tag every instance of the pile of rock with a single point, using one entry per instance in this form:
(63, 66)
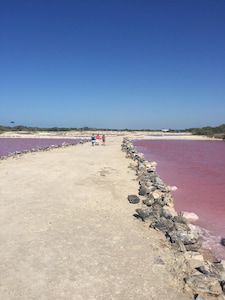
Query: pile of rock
(38, 149)
(205, 278)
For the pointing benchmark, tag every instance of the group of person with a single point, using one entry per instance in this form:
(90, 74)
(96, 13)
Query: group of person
(95, 139)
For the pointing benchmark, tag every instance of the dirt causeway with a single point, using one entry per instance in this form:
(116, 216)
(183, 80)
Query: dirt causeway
(68, 231)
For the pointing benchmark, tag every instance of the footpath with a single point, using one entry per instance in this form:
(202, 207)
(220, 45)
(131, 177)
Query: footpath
(68, 231)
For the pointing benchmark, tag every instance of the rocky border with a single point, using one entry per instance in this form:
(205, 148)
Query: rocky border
(204, 277)
(39, 149)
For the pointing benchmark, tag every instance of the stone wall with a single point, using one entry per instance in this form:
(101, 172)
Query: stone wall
(38, 149)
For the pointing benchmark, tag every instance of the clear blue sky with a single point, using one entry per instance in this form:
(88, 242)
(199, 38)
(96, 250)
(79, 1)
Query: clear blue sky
(136, 64)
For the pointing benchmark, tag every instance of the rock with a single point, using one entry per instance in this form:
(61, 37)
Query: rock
(222, 283)
(222, 241)
(159, 261)
(162, 201)
(157, 206)
(133, 199)
(181, 227)
(168, 199)
(163, 224)
(156, 195)
(186, 237)
(216, 270)
(165, 213)
(209, 256)
(178, 246)
(143, 213)
(193, 247)
(204, 284)
(148, 201)
(195, 259)
(143, 191)
(179, 219)
(147, 183)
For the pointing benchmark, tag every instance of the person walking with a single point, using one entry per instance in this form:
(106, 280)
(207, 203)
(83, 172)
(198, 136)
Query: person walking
(93, 140)
(103, 140)
(97, 139)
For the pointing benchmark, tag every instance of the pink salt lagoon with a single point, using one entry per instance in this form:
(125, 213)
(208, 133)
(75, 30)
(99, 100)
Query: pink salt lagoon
(9, 145)
(197, 169)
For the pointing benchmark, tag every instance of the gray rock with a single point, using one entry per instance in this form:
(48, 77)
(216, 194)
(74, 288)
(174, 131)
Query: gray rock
(181, 227)
(213, 269)
(179, 219)
(204, 284)
(133, 199)
(163, 224)
(143, 191)
(165, 213)
(148, 201)
(222, 283)
(143, 213)
(185, 237)
(159, 261)
(178, 246)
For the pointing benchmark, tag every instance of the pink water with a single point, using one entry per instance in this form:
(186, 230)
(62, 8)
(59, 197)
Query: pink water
(8, 145)
(197, 169)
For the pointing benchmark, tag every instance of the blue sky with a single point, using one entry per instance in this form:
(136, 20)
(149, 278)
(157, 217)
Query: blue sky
(136, 64)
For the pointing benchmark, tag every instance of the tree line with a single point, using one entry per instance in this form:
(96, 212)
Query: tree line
(217, 132)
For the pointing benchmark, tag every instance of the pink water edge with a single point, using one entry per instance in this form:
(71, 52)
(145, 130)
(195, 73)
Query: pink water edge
(197, 169)
(9, 145)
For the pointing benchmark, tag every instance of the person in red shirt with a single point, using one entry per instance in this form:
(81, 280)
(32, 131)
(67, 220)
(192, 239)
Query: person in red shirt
(97, 139)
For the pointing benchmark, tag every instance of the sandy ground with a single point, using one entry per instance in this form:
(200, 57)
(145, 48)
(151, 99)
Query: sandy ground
(68, 230)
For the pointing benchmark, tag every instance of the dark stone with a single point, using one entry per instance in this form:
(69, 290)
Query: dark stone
(222, 283)
(211, 269)
(143, 191)
(180, 219)
(163, 224)
(143, 213)
(165, 213)
(159, 261)
(161, 201)
(204, 284)
(133, 199)
(222, 241)
(157, 206)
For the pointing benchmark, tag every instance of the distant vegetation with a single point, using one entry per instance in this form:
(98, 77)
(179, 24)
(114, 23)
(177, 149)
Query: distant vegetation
(216, 132)
(55, 129)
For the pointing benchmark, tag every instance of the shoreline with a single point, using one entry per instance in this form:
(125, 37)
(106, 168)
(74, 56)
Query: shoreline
(156, 196)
